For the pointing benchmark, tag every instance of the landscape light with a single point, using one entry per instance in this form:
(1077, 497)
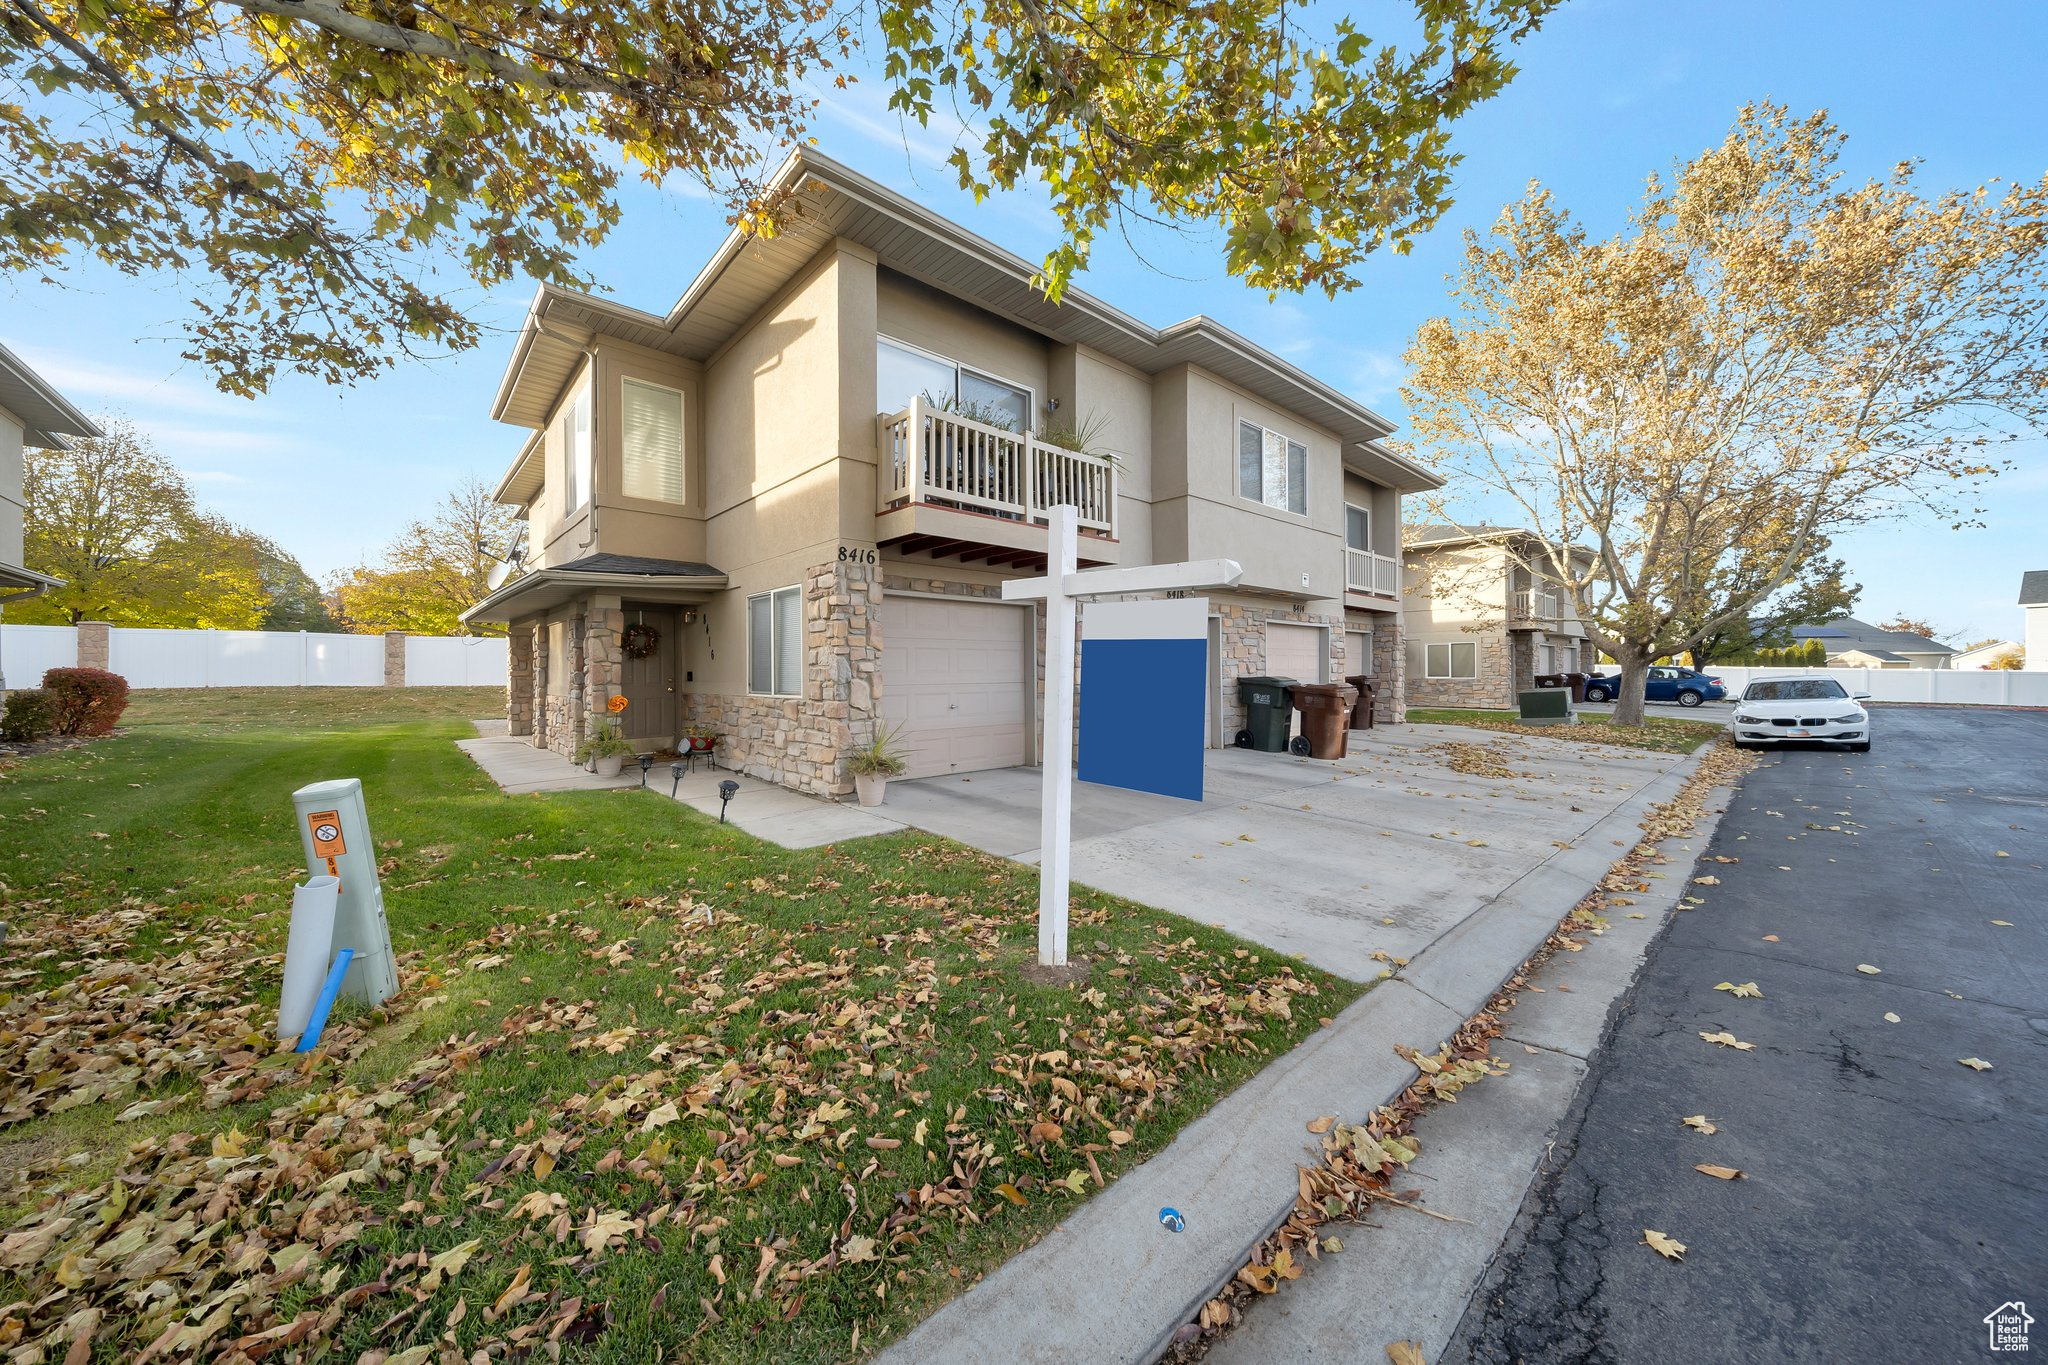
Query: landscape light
(675, 771)
(727, 790)
(646, 762)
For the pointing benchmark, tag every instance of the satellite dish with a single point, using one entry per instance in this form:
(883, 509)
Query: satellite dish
(514, 556)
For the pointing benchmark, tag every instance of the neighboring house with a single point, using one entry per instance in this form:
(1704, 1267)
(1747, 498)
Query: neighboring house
(1480, 625)
(1986, 655)
(32, 416)
(1851, 643)
(808, 480)
(2034, 600)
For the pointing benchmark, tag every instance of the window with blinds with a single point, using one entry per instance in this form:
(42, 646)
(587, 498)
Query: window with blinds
(775, 643)
(576, 452)
(1272, 469)
(651, 441)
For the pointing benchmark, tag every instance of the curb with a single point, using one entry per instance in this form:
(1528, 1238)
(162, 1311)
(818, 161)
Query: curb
(1110, 1285)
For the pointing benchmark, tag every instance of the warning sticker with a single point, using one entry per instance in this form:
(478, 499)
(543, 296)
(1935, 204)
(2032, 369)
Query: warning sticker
(326, 827)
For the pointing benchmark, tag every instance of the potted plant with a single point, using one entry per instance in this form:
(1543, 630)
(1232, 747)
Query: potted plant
(701, 738)
(606, 751)
(874, 763)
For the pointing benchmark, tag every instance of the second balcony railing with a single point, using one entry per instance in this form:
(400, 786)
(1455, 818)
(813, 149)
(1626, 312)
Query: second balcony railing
(931, 456)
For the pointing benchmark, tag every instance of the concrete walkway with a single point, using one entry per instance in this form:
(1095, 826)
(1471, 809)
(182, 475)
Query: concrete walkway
(1110, 1284)
(762, 809)
(1380, 853)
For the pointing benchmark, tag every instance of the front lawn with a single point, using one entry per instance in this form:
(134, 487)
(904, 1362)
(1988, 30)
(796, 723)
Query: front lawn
(1665, 733)
(654, 1089)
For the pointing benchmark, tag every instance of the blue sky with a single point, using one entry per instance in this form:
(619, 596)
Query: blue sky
(1609, 91)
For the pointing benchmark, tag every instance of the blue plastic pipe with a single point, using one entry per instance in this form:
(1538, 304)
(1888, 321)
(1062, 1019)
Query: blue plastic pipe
(318, 1019)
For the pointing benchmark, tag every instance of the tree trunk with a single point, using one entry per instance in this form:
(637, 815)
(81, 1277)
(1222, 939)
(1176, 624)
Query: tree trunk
(1633, 663)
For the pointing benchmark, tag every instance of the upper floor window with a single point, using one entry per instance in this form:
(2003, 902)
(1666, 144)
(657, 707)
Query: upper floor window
(576, 451)
(651, 441)
(775, 642)
(1272, 469)
(904, 372)
(1357, 527)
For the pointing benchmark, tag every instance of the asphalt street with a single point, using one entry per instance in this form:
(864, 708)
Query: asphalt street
(1891, 1196)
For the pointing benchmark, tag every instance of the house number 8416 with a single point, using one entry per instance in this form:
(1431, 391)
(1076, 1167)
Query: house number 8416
(849, 554)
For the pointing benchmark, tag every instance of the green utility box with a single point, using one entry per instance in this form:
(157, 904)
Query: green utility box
(1268, 713)
(1547, 706)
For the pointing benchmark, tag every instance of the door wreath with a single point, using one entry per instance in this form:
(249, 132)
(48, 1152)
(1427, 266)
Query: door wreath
(639, 640)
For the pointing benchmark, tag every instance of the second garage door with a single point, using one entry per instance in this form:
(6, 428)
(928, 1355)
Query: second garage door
(953, 676)
(1296, 652)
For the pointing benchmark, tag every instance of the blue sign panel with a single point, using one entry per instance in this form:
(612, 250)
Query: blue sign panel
(1144, 681)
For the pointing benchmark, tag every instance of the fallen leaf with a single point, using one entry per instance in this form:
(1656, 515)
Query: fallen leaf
(1727, 1039)
(1770, 938)
(1975, 1063)
(1890, 1018)
(1117, 1137)
(884, 1144)
(859, 1249)
(1868, 970)
(2003, 923)
(1719, 1172)
(1706, 881)
(1321, 1125)
(1663, 1245)
(1405, 1353)
(1746, 991)
(2003, 854)
(1011, 1193)
(1700, 1123)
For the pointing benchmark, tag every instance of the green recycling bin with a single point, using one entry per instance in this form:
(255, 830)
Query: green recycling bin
(1268, 714)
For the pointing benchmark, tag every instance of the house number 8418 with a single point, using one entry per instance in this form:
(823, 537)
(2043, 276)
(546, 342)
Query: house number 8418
(849, 554)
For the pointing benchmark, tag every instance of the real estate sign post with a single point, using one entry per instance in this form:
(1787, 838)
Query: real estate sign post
(1060, 589)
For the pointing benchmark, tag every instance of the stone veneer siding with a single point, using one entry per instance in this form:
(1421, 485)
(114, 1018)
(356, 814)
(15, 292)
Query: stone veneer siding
(519, 681)
(803, 742)
(563, 715)
(1242, 630)
(95, 644)
(1389, 665)
(1491, 690)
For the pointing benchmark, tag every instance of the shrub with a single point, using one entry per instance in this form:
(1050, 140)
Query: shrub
(85, 701)
(29, 715)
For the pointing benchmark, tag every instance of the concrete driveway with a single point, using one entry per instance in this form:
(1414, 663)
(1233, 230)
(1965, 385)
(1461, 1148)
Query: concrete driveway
(1382, 852)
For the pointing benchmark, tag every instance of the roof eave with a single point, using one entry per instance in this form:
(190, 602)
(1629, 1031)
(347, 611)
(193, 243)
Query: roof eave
(493, 607)
(47, 417)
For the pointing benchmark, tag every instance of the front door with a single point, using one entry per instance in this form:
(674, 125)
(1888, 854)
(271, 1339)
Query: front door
(650, 681)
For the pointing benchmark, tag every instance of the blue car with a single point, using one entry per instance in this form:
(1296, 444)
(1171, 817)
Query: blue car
(1686, 686)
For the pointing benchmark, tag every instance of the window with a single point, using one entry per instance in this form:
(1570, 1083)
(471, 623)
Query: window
(576, 452)
(775, 642)
(1357, 527)
(903, 372)
(1272, 469)
(1454, 660)
(651, 441)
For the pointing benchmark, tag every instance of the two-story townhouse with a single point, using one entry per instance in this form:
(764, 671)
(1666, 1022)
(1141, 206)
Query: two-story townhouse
(784, 510)
(1481, 622)
(33, 416)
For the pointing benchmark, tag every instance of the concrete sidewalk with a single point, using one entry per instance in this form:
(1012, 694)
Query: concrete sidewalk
(1110, 1284)
(762, 809)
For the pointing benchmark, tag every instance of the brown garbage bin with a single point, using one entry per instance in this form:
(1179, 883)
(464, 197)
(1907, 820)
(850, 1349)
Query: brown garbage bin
(1325, 718)
(1362, 710)
(1549, 680)
(1577, 682)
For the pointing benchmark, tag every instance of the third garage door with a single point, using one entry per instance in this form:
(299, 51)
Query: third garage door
(953, 676)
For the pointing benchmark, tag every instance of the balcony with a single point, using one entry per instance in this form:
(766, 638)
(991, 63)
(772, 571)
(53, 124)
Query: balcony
(1002, 483)
(1377, 574)
(1535, 608)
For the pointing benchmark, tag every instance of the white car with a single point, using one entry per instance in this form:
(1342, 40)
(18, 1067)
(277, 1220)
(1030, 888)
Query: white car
(1801, 710)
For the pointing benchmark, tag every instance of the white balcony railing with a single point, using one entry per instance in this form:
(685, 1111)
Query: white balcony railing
(936, 457)
(1537, 606)
(1365, 571)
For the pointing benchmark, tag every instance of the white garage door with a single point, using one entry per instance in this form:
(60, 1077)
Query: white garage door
(1296, 652)
(953, 677)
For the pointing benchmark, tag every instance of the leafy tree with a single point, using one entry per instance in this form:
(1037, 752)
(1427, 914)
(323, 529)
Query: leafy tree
(433, 571)
(1818, 592)
(299, 158)
(1922, 625)
(118, 522)
(2009, 661)
(293, 601)
(1763, 358)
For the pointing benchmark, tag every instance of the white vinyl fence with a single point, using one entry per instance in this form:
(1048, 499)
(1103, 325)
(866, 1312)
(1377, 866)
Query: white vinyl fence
(1941, 686)
(153, 658)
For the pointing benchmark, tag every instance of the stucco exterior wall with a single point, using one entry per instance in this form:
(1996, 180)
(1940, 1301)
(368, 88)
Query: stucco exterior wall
(11, 504)
(912, 312)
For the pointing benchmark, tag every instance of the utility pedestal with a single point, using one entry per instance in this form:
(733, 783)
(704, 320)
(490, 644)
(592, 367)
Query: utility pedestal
(334, 827)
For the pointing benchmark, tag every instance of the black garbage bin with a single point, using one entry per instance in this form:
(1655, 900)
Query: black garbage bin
(1362, 710)
(1268, 714)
